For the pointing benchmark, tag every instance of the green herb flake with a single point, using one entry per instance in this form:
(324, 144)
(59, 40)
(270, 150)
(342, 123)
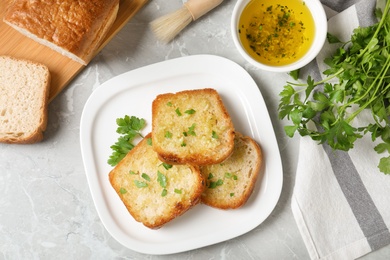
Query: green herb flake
(229, 175)
(169, 104)
(214, 135)
(177, 191)
(191, 130)
(162, 179)
(178, 112)
(168, 135)
(132, 172)
(190, 111)
(122, 191)
(140, 184)
(164, 193)
(214, 184)
(231, 194)
(167, 166)
(210, 176)
(183, 144)
(145, 176)
(149, 141)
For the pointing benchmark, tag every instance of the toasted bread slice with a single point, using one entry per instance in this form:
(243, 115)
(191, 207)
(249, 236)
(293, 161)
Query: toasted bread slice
(155, 193)
(230, 183)
(24, 92)
(192, 127)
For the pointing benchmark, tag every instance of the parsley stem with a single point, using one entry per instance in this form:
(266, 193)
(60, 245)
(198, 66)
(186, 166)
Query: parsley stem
(378, 28)
(341, 70)
(381, 75)
(384, 90)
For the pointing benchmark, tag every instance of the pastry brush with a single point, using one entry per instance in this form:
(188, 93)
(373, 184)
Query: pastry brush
(168, 26)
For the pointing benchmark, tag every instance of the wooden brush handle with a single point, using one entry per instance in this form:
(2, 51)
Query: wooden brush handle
(198, 8)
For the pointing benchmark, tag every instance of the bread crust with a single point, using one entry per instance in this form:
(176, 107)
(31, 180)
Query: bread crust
(12, 68)
(209, 116)
(73, 28)
(238, 175)
(147, 204)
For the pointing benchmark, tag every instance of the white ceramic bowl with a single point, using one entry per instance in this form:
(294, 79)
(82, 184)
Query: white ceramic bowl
(321, 27)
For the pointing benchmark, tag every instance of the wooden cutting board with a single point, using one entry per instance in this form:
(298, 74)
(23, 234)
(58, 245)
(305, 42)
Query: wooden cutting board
(62, 69)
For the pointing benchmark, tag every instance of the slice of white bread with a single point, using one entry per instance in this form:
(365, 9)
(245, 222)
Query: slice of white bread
(24, 92)
(230, 183)
(155, 193)
(192, 126)
(73, 28)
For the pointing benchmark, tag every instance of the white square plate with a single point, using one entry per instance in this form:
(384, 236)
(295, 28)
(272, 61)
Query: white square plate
(132, 94)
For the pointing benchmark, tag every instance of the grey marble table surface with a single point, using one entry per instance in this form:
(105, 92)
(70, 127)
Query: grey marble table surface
(46, 208)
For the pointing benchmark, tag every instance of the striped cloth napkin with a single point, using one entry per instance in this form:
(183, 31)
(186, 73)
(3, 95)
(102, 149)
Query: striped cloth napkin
(341, 202)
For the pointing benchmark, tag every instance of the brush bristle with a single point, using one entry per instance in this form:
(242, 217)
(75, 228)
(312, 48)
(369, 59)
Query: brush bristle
(168, 26)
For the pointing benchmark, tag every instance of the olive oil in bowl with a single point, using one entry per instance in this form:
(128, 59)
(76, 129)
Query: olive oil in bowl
(276, 32)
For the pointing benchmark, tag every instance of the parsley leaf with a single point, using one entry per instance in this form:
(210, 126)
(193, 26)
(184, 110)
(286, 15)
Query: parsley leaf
(294, 74)
(384, 164)
(129, 128)
(332, 39)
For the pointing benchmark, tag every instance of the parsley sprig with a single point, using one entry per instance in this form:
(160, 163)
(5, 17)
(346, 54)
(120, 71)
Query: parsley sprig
(129, 128)
(361, 69)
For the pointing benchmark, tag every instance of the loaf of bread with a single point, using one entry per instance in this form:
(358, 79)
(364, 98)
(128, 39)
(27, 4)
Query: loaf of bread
(153, 192)
(24, 92)
(192, 126)
(229, 184)
(73, 28)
